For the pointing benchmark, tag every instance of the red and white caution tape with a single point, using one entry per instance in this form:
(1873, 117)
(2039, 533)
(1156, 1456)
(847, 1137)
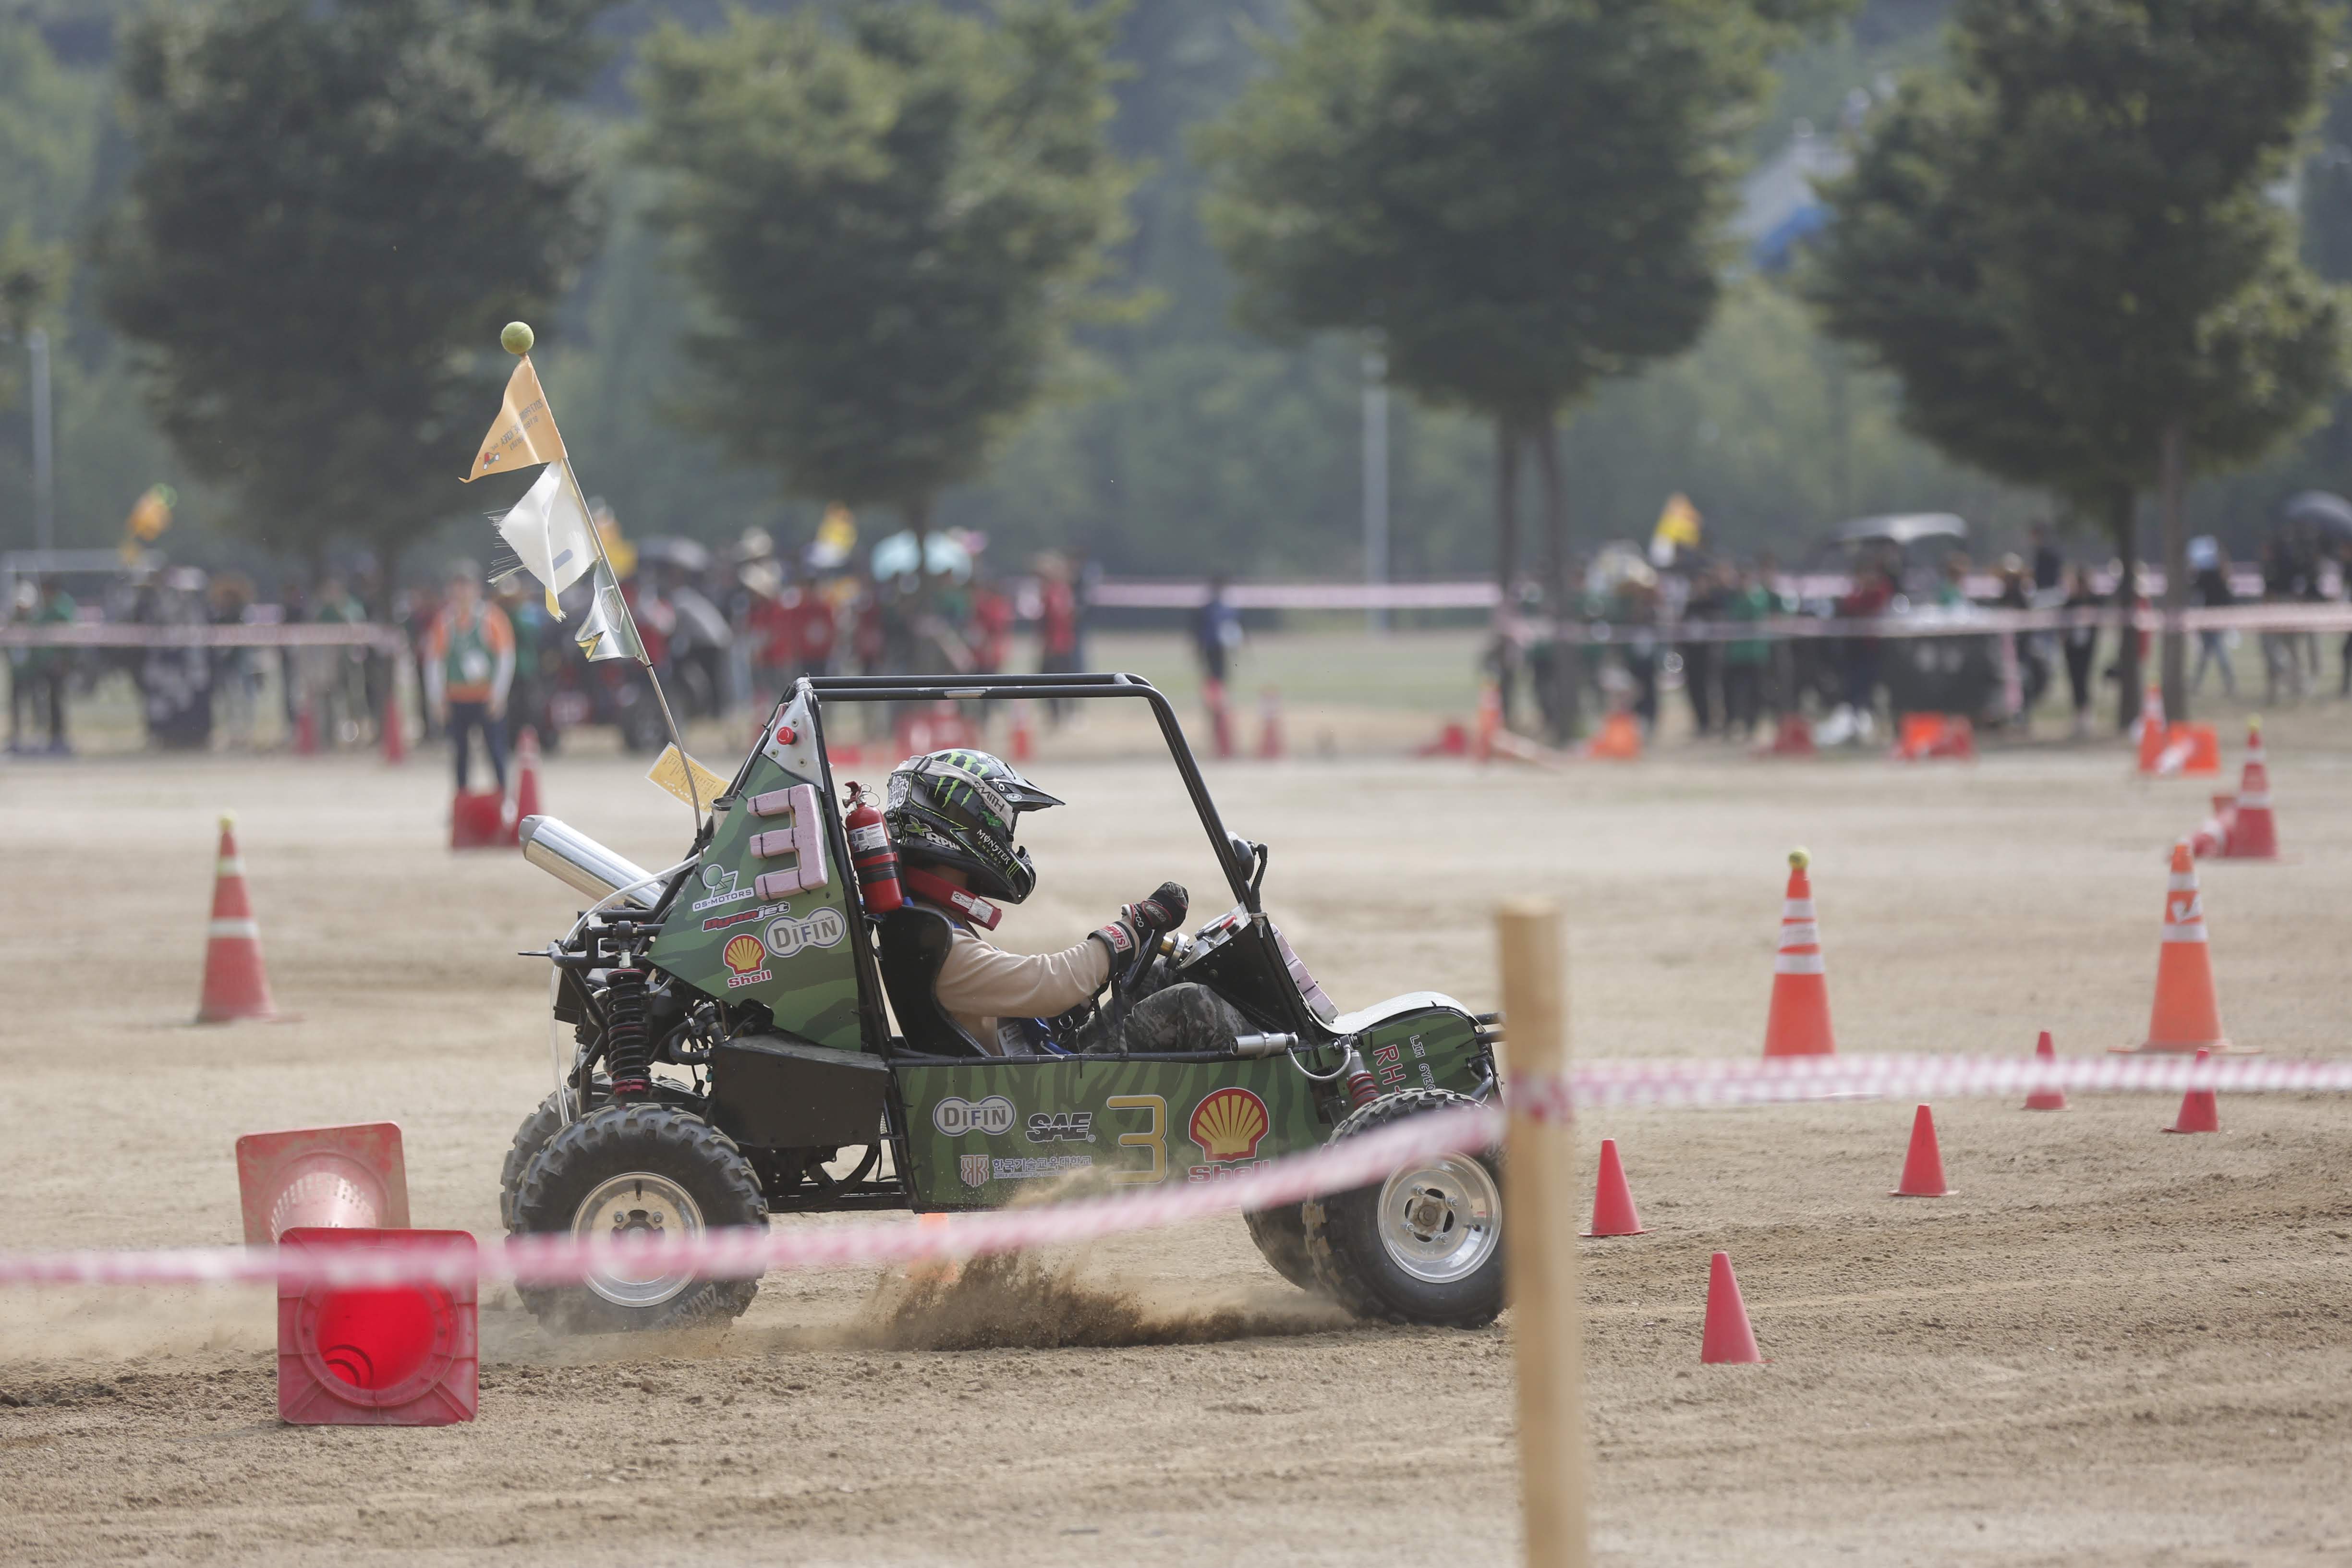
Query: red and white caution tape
(1358, 1161)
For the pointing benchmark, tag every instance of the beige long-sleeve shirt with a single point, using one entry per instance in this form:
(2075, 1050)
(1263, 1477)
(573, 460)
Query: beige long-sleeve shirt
(980, 983)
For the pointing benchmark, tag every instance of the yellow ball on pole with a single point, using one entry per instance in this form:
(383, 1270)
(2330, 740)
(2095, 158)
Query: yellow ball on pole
(517, 337)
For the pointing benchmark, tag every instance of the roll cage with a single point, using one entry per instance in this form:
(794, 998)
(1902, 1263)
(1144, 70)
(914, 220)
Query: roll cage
(1243, 861)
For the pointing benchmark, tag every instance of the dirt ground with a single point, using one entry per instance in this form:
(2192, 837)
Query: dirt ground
(2111, 1347)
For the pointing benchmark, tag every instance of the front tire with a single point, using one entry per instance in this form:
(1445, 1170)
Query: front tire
(532, 1136)
(1423, 1247)
(643, 1169)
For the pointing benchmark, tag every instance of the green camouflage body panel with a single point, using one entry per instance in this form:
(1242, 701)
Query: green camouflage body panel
(792, 952)
(1434, 1048)
(980, 1134)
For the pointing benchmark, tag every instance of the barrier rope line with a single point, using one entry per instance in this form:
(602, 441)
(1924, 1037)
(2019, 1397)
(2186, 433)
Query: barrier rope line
(1339, 1167)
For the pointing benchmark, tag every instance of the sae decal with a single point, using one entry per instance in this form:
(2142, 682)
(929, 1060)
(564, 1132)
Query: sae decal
(955, 1116)
(787, 936)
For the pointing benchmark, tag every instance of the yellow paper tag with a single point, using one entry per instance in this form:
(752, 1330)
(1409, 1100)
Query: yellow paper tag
(669, 772)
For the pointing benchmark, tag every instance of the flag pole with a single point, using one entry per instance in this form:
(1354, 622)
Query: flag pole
(504, 441)
(597, 537)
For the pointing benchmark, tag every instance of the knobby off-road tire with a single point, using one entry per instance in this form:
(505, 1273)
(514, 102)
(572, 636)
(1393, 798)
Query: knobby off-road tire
(532, 1137)
(638, 1168)
(1426, 1245)
(1281, 1237)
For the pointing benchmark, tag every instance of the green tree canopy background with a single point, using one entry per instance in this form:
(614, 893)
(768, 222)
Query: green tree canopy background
(890, 221)
(2068, 248)
(333, 208)
(1193, 445)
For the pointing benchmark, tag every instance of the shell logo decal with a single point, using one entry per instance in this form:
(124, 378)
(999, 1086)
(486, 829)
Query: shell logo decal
(747, 958)
(1228, 1124)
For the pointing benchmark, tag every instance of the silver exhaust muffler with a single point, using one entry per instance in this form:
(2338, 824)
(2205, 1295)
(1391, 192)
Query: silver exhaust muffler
(584, 865)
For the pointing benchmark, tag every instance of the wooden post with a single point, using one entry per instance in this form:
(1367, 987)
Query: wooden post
(1540, 1231)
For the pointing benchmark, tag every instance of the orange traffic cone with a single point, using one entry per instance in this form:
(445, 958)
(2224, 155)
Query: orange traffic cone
(526, 801)
(1269, 724)
(395, 729)
(2198, 1113)
(477, 820)
(322, 1176)
(1490, 720)
(378, 1355)
(2254, 832)
(1923, 1164)
(2149, 729)
(1613, 1199)
(2190, 751)
(1791, 736)
(235, 985)
(2212, 835)
(1727, 1340)
(2045, 1099)
(2186, 1015)
(1453, 741)
(1799, 1022)
(1221, 717)
(1025, 739)
(1620, 740)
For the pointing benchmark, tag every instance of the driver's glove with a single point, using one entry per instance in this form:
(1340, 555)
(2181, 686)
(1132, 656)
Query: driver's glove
(1139, 923)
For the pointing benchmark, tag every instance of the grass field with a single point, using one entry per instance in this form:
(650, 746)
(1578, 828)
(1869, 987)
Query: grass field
(2111, 1347)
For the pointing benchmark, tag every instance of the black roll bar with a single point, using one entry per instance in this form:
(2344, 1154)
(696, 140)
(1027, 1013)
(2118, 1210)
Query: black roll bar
(1238, 864)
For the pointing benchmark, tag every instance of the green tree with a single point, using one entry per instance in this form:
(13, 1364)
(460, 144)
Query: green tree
(891, 219)
(1518, 198)
(2066, 247)
(336, 204)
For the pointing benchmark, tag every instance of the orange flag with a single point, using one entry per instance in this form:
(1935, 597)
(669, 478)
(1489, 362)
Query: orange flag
(525, 433)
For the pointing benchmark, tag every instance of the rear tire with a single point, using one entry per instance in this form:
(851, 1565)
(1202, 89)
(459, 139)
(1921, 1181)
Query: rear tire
(1281, 1237)
(638, 1168)
(1423, 1247)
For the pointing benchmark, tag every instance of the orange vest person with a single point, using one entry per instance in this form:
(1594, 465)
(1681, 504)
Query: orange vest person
(470, 666)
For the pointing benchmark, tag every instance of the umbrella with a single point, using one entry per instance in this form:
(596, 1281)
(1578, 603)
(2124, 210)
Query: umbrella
(683, 553)
(1905, 529)
(2322, 509)
(945, 556)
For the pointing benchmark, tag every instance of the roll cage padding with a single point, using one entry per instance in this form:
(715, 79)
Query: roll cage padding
(914, 944)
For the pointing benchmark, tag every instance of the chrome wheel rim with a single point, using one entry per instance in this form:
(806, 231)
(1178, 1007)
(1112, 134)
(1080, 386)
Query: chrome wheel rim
(1442, 1220)
(638, 1204)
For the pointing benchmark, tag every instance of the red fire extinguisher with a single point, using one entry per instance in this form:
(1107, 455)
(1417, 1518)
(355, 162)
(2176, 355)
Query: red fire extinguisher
(875, 855)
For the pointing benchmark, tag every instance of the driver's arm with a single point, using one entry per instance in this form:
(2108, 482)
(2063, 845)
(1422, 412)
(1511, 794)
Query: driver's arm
(980, 983)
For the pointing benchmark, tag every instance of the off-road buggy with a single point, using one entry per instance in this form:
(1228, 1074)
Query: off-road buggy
(726, 1051)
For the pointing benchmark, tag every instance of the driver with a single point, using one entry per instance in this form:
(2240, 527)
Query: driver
(952, 814)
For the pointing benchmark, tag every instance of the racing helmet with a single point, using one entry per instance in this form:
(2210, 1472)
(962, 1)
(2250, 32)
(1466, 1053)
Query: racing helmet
(959, 808)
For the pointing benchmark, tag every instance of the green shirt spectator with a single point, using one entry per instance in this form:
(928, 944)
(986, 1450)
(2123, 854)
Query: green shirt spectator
(57, 609)
(1748, 602)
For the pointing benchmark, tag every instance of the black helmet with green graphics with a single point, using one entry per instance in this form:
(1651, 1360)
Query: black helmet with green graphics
(959, 808)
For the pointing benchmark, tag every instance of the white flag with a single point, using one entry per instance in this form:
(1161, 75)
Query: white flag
(550, 532)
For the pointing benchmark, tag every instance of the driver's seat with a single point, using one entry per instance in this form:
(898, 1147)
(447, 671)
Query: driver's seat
(914, 945)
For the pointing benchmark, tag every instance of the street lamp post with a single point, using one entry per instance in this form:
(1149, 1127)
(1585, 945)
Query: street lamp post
(45, 480)
(1376, 482)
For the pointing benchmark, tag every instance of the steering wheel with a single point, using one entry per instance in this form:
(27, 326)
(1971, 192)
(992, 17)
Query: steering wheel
(1127, 982)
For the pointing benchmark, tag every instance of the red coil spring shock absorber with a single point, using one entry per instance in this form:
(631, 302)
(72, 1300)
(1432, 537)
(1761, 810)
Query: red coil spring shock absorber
(870, 849)
(628, 1050)
(1361, 1090)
